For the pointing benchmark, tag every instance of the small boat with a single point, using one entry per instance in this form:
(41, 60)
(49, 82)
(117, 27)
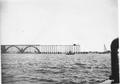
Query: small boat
(70, 53)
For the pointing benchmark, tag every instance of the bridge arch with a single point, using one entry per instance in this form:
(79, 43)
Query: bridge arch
(11, 46)
(38, 51)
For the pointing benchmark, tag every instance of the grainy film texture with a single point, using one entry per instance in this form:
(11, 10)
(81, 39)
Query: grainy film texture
(57, 41)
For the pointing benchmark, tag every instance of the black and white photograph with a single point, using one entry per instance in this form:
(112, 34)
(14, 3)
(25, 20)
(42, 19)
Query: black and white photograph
(59, 42)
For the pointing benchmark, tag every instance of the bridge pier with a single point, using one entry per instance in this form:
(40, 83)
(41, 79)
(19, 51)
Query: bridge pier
(3, 49)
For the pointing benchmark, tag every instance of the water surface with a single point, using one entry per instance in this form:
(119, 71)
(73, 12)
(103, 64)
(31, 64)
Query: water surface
(55, 68)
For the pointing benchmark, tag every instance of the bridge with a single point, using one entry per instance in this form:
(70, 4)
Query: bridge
(41, 49)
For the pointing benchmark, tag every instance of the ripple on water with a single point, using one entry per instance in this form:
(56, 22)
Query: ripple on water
(66, 70)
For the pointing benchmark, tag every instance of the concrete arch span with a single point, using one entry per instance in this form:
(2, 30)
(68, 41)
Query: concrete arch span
(12, 47)
(38, 51)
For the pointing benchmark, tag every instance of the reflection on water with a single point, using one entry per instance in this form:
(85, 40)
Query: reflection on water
(55, 68)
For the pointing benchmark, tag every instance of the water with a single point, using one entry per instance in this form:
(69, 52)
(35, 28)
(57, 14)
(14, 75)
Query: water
(55, 68)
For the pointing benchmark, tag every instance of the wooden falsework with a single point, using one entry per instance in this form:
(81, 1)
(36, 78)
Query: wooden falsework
(41, 49)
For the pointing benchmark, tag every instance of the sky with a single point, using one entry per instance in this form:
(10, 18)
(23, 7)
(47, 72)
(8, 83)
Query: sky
(89, 23)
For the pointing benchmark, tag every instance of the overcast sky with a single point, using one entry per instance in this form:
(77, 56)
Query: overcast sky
(90, 23)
